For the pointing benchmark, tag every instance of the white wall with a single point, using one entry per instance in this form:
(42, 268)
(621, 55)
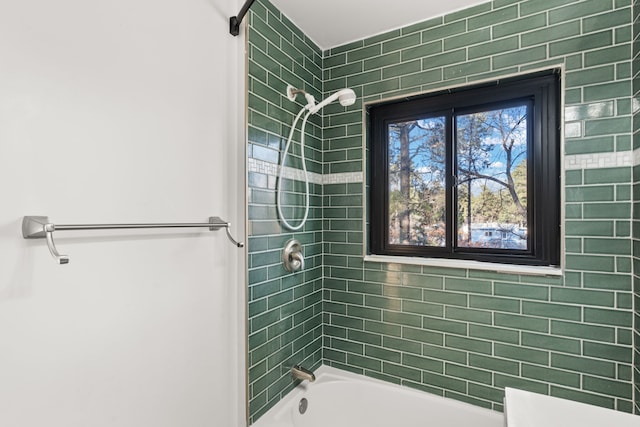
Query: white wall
(121, 111)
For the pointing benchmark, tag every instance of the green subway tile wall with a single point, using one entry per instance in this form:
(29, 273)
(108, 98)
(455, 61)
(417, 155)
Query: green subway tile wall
(636, 203)
(467, 334)
(285, 309)
(459, 333)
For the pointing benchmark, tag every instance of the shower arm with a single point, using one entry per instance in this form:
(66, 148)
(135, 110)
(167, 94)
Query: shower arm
(235, 21)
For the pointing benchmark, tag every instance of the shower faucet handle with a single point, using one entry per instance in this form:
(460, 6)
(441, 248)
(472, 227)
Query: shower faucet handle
(297, 261)
(292, 256)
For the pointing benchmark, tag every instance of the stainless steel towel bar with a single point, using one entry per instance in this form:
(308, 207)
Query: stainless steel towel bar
(39, 227)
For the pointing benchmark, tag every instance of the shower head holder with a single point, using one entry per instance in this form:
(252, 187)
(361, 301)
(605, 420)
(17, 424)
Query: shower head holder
(292, 92)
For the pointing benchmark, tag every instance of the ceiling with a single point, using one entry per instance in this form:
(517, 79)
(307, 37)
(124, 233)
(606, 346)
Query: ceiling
(331, 23)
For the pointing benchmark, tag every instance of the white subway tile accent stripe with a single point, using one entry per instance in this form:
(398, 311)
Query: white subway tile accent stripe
(271, 169)
(343, 178)
(573, 162)
(601, 160)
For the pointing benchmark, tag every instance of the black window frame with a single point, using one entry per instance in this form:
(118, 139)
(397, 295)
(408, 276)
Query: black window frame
(543, 91)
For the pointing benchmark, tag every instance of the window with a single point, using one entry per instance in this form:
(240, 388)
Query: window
(471, 173)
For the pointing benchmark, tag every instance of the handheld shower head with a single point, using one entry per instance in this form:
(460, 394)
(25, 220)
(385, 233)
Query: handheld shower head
(346, 97)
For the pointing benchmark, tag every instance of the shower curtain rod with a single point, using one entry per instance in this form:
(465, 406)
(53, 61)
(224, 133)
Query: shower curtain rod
(235, 21)
(39, 227)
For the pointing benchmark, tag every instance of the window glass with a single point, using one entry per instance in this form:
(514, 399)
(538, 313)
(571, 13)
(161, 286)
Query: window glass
(417, 188)
(491, 178)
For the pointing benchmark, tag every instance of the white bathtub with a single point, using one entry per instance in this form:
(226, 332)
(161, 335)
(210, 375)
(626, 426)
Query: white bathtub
(526, 409)
(342, 399)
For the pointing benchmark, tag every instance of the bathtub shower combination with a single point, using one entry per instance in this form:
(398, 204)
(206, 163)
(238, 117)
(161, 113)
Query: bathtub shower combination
(334, 398)
(548, 319)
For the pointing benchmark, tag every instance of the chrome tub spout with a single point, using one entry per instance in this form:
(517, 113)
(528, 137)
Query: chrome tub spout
(302, 374)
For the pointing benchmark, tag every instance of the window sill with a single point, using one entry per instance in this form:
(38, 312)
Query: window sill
(528, 270)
